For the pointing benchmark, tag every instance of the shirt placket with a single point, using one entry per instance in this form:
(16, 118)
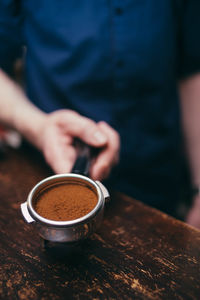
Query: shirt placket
(119, 64)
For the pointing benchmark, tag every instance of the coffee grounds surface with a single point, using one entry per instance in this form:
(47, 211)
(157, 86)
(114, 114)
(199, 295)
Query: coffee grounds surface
(66, 202)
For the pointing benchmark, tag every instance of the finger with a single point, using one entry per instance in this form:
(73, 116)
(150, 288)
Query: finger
(61, 157)
(109, 156)
(83, 128)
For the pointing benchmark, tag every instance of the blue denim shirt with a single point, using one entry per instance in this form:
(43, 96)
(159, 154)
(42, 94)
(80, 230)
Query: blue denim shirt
(117, 61)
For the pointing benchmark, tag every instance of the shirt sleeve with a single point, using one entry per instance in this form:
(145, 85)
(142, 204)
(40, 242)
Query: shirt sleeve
(10, 37)
(190, 38)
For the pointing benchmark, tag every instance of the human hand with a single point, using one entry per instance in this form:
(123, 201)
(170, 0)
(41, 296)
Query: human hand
(54, 133)
(56, 137)
(193, 216)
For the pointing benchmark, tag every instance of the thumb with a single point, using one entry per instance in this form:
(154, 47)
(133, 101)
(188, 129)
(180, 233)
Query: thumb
(84, 128)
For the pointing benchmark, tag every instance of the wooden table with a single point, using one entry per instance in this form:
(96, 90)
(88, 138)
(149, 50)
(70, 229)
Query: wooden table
(138, 253)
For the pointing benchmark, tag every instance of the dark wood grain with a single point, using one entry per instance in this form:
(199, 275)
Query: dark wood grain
(138, 253)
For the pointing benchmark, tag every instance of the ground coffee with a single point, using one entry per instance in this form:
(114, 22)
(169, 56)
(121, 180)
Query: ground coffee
(65, 202)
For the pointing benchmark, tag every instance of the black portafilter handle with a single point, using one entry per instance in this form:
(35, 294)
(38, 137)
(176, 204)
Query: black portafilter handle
(84, 158)
(82, 163)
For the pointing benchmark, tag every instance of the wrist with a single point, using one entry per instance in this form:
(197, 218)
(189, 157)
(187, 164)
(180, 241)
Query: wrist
(29, 121)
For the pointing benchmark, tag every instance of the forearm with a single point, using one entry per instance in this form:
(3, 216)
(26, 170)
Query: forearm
(190, 107)
(17, 111)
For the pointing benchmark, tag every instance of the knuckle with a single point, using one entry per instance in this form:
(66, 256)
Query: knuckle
(112, 131)
(62, 115)
(70, 113)
(103, 123)
(87, 126)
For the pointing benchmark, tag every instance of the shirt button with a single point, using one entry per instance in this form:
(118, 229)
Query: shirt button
(118, 11)
(120, 63)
